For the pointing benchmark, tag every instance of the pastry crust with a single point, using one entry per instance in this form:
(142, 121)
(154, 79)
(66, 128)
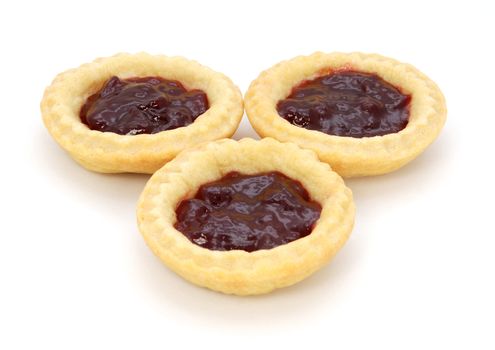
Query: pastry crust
(237, 271)
(111, 153)
(349, 156)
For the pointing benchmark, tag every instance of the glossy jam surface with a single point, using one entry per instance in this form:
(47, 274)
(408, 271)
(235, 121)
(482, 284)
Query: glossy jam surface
(247, 212)
(347, 103)
(144, 105)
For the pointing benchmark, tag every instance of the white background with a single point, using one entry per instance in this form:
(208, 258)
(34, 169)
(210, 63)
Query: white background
(417, 272)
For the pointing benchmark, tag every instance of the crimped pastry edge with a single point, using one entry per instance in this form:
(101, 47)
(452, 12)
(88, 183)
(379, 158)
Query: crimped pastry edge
(350, 157)
(239, 272)
(109, 152)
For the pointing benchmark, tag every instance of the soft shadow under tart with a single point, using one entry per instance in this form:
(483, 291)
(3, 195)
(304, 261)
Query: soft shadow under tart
(245, 217)
(364, 114)
(136, 112)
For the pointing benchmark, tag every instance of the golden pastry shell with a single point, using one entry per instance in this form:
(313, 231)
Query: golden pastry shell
(109, 152)
(237, 271)
(349, 156)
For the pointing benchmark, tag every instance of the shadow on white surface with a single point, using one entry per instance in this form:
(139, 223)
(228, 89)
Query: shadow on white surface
(167, 290)
(422, 174)
(327, 286)
(245, 130)
(164, 290)
(57, 164)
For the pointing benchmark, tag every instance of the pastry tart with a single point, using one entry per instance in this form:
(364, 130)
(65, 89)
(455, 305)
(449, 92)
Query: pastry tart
(135, 112)
(364, 114)
(245, 217)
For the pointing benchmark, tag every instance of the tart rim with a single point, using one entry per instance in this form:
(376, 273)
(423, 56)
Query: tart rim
(144, 153)
(349, 156)
(237, 271)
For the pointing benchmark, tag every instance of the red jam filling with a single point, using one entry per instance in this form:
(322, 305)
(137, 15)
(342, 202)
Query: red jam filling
(247, 212)
(142, 106)
(347, 103)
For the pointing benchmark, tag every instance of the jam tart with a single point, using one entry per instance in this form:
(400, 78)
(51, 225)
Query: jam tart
(245, 217)
(135, 112)
(364, 114)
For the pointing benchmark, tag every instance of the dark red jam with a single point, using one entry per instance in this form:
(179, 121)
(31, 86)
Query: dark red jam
(142, 106)
(247, 212)
(347, 103)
